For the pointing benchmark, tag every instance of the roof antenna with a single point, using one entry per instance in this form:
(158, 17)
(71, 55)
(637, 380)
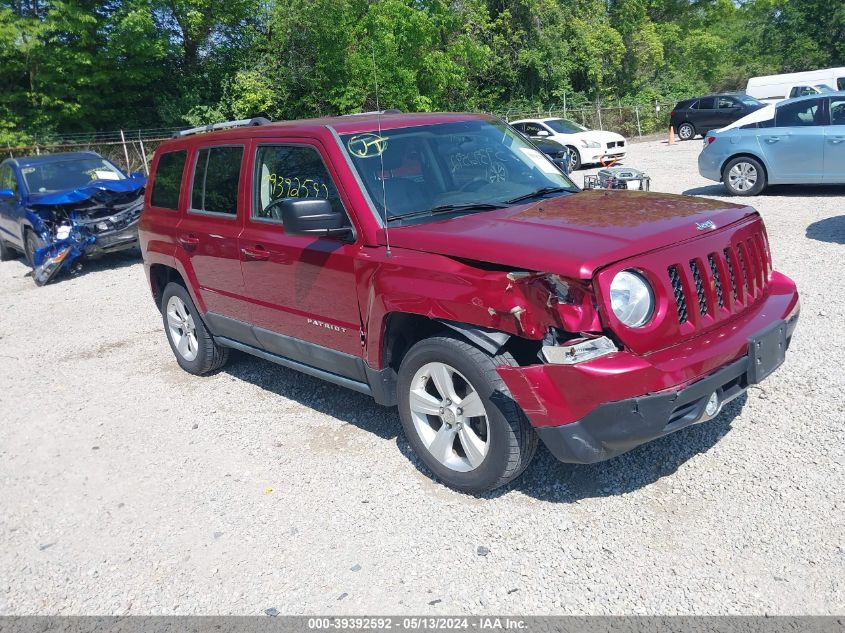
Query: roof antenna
(381, 154)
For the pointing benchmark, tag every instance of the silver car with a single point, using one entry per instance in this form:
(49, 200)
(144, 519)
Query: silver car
(797, 141)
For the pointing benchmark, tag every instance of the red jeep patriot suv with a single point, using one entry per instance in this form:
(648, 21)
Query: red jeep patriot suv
(441, 263)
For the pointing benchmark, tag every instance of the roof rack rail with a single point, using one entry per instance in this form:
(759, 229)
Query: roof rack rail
(389, 111)
(226, 125)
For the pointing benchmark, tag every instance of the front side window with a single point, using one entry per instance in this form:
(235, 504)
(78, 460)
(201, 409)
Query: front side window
(72, 173)
(532, 129)
(217, 175)
(800, 114)
(450, 167)
(837, 111)
(290, 171)
(565, 126)
(840, 83)
(750, 101)
(168, 180)
(726, 102)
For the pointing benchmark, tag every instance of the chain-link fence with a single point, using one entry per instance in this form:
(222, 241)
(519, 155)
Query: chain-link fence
(134, 150)
(629, 121)
(132, 155)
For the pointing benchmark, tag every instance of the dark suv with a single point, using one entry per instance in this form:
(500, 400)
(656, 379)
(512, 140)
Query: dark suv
(702, 114)
(441, 263)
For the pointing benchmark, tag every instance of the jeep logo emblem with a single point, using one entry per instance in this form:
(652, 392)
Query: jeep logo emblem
(703, 226)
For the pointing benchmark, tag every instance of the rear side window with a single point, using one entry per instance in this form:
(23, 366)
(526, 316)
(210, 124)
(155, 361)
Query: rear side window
(7, 178)
(840, 83)
(290, 171)
(217, 175)
(802, 113)
(691, 105)
(168, 180)
(837, 110)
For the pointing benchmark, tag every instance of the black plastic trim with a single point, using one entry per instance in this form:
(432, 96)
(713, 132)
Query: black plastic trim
(491, 341)
(617, 427)
(280, 345)
(328, 376)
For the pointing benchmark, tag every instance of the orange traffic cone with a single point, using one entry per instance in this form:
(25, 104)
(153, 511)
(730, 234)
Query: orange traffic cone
(671, 135)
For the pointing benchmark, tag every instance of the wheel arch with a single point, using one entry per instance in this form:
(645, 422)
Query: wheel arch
(161, 275)
(743, 154)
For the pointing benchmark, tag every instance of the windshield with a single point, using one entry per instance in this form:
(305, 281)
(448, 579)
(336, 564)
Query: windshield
(62, 175)
(450, 167)
(822, 88)
(750, 100)
(564, 126)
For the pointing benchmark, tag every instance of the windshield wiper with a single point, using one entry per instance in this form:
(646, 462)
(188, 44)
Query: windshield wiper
(542, 191)
(449, 208)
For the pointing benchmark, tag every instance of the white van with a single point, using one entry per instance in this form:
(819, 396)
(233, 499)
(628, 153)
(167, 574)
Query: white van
(777, 87)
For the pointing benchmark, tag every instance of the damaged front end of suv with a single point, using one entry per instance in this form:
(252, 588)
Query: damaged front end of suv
(88, 222)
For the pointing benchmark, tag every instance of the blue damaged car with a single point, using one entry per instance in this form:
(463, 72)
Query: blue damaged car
(794, 142)
(60, 209)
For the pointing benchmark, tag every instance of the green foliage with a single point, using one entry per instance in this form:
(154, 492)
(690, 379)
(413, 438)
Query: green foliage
(86, 65)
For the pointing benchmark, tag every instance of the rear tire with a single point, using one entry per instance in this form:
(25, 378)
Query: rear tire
(6, 252)
(470, 453)
(191, 342)
(686, 131)
(744, 176)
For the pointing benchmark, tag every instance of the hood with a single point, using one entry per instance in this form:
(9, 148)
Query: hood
(571, 235)
(103, 191)
(596, 135)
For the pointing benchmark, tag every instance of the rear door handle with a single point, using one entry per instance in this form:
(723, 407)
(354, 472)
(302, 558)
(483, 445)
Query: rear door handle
(257, 254)
(189, 242)
(772, 139)
(837, 139)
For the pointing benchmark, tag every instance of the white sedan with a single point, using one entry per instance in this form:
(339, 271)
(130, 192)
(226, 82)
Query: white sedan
(589, 146)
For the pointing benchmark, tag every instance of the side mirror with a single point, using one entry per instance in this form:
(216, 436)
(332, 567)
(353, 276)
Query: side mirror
(137, 174)
(7, 193)
(314, 216)
(542, 134)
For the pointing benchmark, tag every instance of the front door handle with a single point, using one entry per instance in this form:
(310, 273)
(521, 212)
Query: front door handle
(772, 139)
(189, 242)
(257, 254)
(837, 139)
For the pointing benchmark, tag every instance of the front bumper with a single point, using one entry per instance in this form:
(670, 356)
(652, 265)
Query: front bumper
(598, 409)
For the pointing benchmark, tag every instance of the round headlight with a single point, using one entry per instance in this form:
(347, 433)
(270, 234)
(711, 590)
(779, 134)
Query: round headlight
(631, 298)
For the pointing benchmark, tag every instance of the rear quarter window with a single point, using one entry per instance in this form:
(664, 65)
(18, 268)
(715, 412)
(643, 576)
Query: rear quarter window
(168, 180)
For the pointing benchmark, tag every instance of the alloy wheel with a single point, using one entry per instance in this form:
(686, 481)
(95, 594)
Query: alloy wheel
(686, 132)
(742, 176)
(183, 331)
(449, 417)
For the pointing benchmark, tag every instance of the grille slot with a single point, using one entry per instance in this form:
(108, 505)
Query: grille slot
(746, 282)
(699, 287)
(727, 252)
(712, 259)
(678, 291)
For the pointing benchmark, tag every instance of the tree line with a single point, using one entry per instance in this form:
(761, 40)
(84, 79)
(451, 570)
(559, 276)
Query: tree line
(71, 66)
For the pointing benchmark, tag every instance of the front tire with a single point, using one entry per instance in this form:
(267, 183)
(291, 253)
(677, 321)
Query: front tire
(191, 342)
(744, 176)
(686, 131)
(574, 159)
(32, 242)
(459, 416)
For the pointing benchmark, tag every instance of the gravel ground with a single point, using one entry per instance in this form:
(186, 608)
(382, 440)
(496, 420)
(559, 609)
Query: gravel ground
(129, 486)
